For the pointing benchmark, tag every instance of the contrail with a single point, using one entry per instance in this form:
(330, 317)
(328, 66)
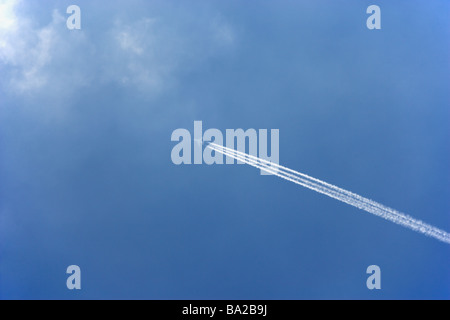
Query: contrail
(335, 192)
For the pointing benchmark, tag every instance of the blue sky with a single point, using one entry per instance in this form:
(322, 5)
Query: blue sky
(86, 176)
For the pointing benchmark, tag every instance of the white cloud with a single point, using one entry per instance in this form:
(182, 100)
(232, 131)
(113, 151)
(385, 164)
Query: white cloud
(34, 60)
(153, 51)
(31, 56)
(8, 28)
(8, 18)
(146, 54)
(141, 56)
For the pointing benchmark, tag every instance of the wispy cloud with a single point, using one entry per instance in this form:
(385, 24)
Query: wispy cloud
(146, 54)
(33, 58)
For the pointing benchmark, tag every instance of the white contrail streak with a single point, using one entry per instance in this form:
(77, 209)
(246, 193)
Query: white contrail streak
(335, 192)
